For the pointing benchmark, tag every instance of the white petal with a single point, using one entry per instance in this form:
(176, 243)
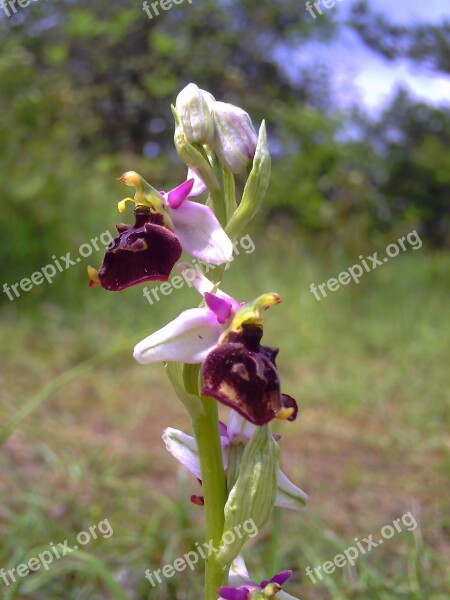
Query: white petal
(288, 494)
(199, 187)
(225, 443)
(201, 234)
(285, 596)
(238, 426)
(184, 448)
(238, 575)
(188, 338)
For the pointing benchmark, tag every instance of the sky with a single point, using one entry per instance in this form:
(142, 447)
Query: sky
(361, 75)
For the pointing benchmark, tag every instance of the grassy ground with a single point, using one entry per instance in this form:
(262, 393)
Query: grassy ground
(369, 367)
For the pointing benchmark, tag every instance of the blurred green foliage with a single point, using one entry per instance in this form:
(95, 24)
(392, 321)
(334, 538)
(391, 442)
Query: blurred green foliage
(86, 92)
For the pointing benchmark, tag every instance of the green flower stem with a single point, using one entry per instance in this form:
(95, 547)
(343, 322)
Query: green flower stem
(206, 431)
(218, 197)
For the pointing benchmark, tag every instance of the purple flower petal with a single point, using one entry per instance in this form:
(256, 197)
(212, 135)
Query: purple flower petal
(178, 195)
(228, 593)
(279, 578)
(221, 308)
(223, 431)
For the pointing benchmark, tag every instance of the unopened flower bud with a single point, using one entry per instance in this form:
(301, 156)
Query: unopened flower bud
(194, 107)
(235, 137)
(192, 157)
(252, 498)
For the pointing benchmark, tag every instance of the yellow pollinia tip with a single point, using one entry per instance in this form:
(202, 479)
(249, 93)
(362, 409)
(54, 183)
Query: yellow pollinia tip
(94, 279)
(284, 414)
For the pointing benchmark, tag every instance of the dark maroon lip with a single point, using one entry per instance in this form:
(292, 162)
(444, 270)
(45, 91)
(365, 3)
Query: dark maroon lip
(145, 251)
(242, 374)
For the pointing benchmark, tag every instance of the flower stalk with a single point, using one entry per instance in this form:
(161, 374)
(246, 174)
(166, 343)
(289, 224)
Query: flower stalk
(205, 425)
(206, 431)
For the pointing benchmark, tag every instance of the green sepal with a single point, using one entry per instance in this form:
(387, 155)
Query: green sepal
(253, 495)
(235, 452)
(229, 192)
(255, 188)
(186, 393)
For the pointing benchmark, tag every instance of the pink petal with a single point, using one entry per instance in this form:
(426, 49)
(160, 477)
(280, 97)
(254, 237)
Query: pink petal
(178, 195)
(279, 578)
(222, 429)
(221, 308)
(201, 234)
(199, 187)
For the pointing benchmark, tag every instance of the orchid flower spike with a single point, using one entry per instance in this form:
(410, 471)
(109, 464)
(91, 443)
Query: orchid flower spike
(225, 336)
(241, 587)
(166, 223)
(183, 447)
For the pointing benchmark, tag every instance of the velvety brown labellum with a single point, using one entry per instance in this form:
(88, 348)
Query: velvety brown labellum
(242, 374)
(145, 251)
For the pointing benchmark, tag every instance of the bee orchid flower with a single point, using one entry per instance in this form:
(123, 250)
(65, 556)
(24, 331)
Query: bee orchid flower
(225, 336)
(183, 447)
(166, 223)
(241, 587)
